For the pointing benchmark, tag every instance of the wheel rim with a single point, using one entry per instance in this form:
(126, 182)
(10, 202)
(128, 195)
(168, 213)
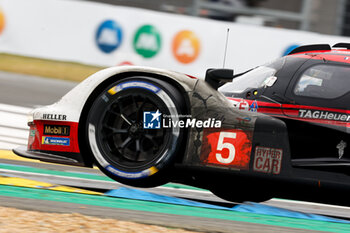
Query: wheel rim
(124, 140)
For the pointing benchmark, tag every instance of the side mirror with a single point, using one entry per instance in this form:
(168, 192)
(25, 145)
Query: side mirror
(218, 77)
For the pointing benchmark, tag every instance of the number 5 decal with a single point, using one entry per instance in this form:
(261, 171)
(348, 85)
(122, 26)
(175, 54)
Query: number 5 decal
(226, 148)
(226, 145)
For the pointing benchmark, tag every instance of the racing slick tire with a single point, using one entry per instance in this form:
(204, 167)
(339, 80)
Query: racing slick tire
(125, 135)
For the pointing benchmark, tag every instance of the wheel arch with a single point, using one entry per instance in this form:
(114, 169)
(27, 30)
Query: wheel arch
(87, 156)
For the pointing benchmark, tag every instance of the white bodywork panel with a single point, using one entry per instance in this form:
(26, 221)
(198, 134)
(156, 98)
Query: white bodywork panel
(70, 106)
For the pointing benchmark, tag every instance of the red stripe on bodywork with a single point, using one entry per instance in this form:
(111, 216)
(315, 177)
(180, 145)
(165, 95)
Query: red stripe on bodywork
(329, 55)
(291, 111)
(315, 108)
(35, 141)
(262, 104)
(190, 76)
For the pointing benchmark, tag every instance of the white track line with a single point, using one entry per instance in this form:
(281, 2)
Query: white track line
(13, 120)
(13, 140)
(14, 109)
(304, 203)
(13, 126)
(306, 207)
(14, 133)
(311, 207)
(8, 146)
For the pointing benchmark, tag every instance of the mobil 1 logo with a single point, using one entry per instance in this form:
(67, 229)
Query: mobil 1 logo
(57, 130)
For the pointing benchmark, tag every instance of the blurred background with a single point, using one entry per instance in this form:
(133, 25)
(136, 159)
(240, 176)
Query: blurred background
(323, 16)
(183, 35)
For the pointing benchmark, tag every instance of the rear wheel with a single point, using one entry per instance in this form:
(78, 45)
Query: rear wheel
(125, 132)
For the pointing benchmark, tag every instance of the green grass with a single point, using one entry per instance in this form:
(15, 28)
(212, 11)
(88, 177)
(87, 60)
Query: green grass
(46, 68)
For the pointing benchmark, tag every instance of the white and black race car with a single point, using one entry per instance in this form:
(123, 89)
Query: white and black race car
(278, 130)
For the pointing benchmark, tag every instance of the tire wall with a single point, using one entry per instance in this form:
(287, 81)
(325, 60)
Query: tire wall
(183, 84)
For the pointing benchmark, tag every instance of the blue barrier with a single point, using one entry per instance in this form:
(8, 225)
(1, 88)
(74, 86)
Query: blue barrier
(147, 196)
(250, 207)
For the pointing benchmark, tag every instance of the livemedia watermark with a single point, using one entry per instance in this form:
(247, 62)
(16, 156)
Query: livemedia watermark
(157, 120)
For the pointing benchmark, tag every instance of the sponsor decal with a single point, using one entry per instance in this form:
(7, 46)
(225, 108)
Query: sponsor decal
(2, 21)
(55, 141)
(268, 160)
(244, 121)
(38, 142)
(109, 36)
(32, 133)
(341, 147)
(58, 117)
(244, 105)
(133, 84)
(147, 41)
(254, 106)
(31, 138)
(59, 130)
(153, 120)
(186, 47)
(132, 175)
(228, 148)
(323, 115)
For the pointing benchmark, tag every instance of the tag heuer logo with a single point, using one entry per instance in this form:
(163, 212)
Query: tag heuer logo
(59, 130)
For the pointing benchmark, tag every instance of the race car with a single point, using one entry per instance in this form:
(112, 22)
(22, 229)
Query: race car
(278, 130)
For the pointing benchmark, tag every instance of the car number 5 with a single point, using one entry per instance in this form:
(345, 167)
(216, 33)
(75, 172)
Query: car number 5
(226, 145)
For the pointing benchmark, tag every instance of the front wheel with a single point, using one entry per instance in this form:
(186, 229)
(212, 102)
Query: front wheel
(125, 132)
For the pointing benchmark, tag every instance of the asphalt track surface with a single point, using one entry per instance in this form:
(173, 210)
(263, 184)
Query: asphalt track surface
(198, 219)
(29, 91)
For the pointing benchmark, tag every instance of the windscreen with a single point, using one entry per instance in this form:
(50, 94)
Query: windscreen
(254, 79)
